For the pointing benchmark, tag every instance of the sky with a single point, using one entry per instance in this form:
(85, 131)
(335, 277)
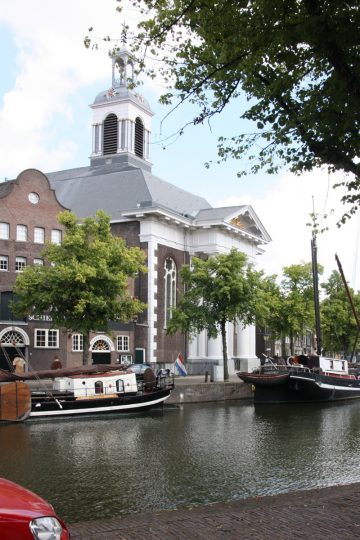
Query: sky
(48, 79)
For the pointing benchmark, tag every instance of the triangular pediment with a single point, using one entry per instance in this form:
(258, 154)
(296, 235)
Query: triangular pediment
(243, 218)
(246, 220)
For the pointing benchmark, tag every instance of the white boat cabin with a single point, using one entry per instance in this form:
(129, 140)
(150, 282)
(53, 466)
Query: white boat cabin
(97, 384)
(333, 365)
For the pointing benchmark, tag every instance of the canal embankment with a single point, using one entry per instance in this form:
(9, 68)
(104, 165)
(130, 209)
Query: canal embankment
(197, 389)
(331, 513)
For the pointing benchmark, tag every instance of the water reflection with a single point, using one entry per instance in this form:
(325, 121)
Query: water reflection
(201, 453)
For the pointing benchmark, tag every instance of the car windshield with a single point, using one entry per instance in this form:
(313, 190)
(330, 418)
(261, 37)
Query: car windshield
(138, 368)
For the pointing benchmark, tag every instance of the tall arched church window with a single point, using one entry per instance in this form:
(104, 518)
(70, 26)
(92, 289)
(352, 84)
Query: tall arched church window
(110, 134)
(170, 287)
(139, 138)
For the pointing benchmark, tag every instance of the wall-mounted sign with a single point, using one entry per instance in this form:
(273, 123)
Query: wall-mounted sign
(44, 318)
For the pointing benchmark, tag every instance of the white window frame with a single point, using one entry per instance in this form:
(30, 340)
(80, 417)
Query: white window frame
(39, 235)
(48, 337)
(4, 263)
(38, 262)
(21, 233)
(122, 343)
(120, 388)
(20, 264)
(77, 342)
(170, 275)
(56, 236)
(4, 230)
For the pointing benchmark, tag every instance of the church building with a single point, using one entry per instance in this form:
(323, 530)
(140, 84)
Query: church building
(169, 224)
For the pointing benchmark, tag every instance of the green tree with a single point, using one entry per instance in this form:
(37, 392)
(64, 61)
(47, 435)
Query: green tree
(297, 64)
(286, 305)
(86, 283)
(220, 289)
(297, 293)
(338, 323)
(270, 309)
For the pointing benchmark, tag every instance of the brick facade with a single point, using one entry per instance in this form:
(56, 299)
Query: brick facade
(16, 209)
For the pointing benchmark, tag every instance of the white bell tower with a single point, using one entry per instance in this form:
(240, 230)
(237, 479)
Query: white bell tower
(121, 119)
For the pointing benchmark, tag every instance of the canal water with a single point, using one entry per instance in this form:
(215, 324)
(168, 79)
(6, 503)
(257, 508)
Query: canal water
(202, 453)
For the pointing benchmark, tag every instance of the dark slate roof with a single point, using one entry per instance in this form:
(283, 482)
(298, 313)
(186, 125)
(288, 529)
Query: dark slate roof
(5, 188)
(120, 188)
(122, 94)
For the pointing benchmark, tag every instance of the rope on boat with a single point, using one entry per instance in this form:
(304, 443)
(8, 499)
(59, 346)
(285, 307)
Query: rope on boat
(7, 358)
(36, 377)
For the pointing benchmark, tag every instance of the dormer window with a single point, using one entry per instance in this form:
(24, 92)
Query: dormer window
(139, 138)
(110, 134)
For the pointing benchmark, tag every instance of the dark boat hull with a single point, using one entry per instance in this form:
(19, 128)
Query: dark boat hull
(62, 406)
(308, 387)
(264, 379)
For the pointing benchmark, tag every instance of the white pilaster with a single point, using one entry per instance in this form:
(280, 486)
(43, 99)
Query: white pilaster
(93, 138)
(243, 341)
(132, 137)
(214, 348)
(119, 135)
(230, 347)
(246, 347)
(201, 340)
(151, 301)
(193, 347)
(101, 134)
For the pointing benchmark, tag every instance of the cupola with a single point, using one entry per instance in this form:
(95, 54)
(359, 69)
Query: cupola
(121, 119)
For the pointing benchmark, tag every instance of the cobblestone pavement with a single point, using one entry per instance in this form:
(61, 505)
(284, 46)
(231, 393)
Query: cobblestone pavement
(330, 513)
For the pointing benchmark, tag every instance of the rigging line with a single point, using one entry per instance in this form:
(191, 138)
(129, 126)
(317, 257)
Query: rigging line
(7, 358)
(40, 381)
(356, 257)
(327, 192)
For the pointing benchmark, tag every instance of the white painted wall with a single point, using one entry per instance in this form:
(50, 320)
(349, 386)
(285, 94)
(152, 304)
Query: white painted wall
(212, 241)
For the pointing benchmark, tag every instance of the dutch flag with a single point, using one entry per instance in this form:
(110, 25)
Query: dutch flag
(180, 366)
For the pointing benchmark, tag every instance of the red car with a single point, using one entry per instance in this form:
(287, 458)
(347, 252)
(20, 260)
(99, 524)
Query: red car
(26, 516)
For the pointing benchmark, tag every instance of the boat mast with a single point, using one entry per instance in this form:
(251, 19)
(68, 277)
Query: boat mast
(347, 291)
(351, 302)
(316, 293)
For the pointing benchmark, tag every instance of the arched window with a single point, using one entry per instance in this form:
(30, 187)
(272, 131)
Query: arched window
(110, 134)
(120, 385)
(99, 387)
(139, 138)
(170, 287)
(131, 69)
(120, 67)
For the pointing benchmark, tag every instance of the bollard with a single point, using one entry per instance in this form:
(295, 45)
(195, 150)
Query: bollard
(206, 376)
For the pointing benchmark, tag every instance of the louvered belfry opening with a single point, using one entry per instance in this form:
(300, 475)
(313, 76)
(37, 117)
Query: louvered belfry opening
(139, 138)
(110, 134)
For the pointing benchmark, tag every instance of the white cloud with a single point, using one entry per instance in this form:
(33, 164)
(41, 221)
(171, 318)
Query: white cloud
(52, 66)
(284, 209)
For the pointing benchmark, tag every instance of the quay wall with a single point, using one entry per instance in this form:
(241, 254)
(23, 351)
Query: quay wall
(196, 392)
